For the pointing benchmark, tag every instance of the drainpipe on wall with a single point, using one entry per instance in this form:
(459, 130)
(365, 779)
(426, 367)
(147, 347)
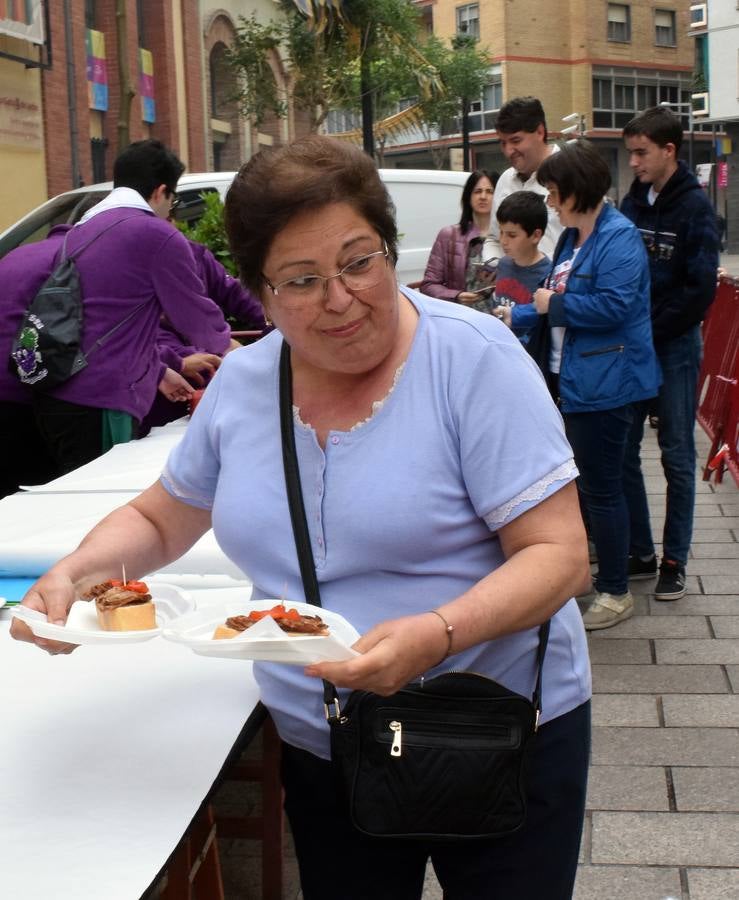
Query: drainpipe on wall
(72, 95)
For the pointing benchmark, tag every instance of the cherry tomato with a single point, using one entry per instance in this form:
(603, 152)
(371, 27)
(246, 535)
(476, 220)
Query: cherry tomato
(139, 587)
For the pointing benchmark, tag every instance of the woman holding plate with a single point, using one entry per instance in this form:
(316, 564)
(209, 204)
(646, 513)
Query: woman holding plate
(443, 521)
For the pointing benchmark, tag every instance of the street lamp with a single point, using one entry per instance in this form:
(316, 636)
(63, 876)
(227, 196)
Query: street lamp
(578, 126)
(689, 107)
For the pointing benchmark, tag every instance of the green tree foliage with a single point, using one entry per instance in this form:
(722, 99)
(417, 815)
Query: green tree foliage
(463, 69)
(210, 230)
(326, 53)
(258, 92)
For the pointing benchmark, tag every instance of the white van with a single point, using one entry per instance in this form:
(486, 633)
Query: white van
(425, 201)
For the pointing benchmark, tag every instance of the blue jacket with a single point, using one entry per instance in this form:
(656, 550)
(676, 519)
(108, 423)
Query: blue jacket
(608, 357)
(681, 237)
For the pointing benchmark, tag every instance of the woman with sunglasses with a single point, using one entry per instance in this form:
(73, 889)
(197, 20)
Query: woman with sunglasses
(429, 504)
(462, 262)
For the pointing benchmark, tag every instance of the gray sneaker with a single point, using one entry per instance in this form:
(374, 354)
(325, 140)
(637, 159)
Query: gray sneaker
(608, 610)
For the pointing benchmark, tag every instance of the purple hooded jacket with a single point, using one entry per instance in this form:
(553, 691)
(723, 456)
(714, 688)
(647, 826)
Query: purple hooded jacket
(144, 262)
(225, 291)
(445, 271)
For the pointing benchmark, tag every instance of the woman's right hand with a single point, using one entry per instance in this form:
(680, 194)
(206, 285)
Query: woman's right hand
(393, 653)
(53, 594)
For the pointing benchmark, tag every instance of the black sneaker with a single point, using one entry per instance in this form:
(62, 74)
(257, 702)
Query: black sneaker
(671, 582)
(640, 569)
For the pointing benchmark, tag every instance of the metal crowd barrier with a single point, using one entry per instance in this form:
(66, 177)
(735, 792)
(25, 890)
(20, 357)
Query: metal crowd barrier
(718, 382)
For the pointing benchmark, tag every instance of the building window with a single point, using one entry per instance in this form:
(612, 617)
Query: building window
(699, 15)
(468, 19)
(90, 18)
(340, 120)
(620, 93)
(665, 34)
(98, 146)
(482, 112)
(141, 23)
(619, 22)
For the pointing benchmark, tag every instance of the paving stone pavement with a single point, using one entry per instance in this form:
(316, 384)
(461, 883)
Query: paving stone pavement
(662, 818)
(663, 799)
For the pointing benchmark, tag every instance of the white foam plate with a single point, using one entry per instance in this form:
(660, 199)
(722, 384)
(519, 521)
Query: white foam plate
(264, 640)
(82, 624)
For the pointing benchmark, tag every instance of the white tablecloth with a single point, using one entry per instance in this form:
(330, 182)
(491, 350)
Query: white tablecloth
(107, 754)
(46, 522)
(37, 529)
(105, 757)
(126, 467)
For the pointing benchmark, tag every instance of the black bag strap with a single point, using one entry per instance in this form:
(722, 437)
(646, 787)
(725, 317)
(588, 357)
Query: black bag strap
(292, 480)
(302, 536)
(64, 257)
(79, 250)
(297, 507)
(103, 338)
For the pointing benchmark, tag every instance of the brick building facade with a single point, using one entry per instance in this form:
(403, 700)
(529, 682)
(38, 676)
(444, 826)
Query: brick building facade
(81, 142)
(181, 93)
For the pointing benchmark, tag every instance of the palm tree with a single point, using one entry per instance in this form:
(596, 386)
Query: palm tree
(365, 28)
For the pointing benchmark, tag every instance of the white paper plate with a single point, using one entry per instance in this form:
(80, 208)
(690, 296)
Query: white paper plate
(264, 641)
(82, 624)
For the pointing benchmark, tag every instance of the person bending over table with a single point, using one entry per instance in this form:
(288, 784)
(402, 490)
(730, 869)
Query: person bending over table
(421, 491)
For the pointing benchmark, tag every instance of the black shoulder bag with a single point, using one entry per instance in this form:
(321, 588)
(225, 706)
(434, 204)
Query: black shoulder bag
(442, 759)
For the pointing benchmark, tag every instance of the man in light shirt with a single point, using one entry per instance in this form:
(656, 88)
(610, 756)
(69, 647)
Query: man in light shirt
(522, 130)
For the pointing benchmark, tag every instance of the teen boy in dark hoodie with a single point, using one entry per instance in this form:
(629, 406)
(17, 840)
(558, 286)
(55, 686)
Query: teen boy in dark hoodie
(678, 226)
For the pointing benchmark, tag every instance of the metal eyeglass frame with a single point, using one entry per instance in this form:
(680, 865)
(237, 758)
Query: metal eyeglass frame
(275, 288)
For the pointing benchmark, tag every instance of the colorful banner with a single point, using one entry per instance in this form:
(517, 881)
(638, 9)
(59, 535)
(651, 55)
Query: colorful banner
(723, 175)
(723, 146)
(97, 70)
(146, 86)
(23, 19)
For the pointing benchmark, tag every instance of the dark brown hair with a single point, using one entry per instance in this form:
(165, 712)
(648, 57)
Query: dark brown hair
(467, 217)
(659, 124)
(578, 171)
(521, 114)
(279, 183)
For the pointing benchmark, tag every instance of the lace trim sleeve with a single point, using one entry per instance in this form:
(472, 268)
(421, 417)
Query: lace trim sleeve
(563, 473)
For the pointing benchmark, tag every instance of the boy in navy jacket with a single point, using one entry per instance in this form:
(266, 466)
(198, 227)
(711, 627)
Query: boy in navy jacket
(678, 226)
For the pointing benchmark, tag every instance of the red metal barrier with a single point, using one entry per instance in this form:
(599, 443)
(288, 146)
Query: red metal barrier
(731, 432)
(718, 385)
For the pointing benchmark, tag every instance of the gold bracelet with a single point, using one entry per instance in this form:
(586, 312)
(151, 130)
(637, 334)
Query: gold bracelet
(449, 631)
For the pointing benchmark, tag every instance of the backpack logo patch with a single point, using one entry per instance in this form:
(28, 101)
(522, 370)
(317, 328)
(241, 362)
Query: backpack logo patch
(26, 355)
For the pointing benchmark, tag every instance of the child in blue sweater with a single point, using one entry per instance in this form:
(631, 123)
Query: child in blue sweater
(522, 218)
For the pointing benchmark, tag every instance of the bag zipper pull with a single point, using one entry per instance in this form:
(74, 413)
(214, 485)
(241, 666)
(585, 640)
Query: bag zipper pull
(397, 730)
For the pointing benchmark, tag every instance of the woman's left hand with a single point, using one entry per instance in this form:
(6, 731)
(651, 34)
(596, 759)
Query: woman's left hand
(542, 297)
(393, 653)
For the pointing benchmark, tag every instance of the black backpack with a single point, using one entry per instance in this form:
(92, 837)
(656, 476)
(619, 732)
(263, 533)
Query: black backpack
(47, 349)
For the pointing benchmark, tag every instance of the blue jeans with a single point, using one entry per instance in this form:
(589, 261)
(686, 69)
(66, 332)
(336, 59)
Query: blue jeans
(598, 441)
(680, 359)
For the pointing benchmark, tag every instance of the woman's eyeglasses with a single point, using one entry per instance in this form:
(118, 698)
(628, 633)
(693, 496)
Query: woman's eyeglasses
(478, 192)
(174, 202)
(360, 274)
